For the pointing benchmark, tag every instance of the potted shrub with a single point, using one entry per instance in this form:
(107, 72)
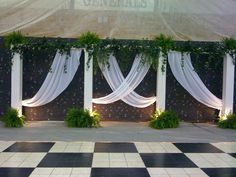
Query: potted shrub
(229, 122)
(12, 118)
(82, 118)
(165, 119)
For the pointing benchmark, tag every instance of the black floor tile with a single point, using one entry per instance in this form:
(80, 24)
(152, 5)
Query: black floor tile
(15, 172)
(220, 172)
(119, 172)
(197, 148)
(67, 160)
(233, 154)
(30, 147)
(176, 160)
(115, 147)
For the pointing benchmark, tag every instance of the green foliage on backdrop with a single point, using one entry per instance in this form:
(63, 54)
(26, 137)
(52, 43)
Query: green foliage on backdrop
(150, 50)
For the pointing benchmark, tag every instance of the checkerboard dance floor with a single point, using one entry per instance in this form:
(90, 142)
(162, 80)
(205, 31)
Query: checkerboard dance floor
(108, 159)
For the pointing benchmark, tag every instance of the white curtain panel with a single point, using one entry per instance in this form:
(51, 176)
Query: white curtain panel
(123, 88)
(190, 80)
(57, 80)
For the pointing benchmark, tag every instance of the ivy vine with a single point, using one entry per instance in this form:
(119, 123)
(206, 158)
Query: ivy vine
(150, 50)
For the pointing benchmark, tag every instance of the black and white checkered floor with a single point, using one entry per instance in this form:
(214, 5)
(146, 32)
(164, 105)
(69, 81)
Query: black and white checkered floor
(107, 159)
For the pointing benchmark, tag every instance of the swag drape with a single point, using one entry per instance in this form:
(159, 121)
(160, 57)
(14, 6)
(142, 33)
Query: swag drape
(57, 80)
(123, 88)
(190, 80)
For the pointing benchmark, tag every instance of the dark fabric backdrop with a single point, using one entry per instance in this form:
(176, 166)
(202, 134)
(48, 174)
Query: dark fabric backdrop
(5, 78)
(35, 71)
(120, 110)
(189, 109)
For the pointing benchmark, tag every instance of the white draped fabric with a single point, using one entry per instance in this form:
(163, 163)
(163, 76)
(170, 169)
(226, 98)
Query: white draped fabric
(123, 88)
(190, 80)
(57, 80)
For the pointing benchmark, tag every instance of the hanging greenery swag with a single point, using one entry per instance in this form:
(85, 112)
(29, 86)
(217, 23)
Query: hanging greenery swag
(149, 49)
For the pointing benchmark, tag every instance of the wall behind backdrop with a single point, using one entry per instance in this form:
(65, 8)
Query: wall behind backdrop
(181, 101)
(5, 78)
(34, 72)
(37, 67)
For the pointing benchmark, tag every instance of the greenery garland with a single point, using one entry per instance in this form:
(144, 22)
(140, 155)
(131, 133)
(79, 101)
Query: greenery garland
(150, 50)
(229, 46)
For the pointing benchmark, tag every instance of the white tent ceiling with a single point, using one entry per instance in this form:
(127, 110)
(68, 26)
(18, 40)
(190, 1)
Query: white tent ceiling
(198, 20)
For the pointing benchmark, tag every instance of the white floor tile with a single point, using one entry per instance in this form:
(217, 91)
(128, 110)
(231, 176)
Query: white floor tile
(81, 171)
(11, 164)
(21, 159)
(157, 171)
(119, 164)
(195, 172)
(176, 171)
(156, 147)
(42, 171)
(5, 144)
(209, 160)
(228, 147)
(59, 175)
(61, 171)
(159, 175)
(18, 157)
(83, 147)
(39, 175)
(101, 155)
(4, 156)
(101, 164)
(135, 164)
(29, 164)
(114, 156)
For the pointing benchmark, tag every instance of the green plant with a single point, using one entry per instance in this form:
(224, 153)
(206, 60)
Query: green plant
(166, 119)
(230, 47)
(165, 44)
(14, 38)
(229, 122)
(124, 50)
(12, 118)
(82, 118)
(90, 41)
(71, 117)
(88, 119)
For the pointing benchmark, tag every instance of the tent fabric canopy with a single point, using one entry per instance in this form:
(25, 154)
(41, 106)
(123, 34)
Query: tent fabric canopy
(197, 20)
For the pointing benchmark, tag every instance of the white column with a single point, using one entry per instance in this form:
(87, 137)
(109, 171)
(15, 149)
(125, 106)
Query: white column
(228, 85)
(16, 83)
(88, 82)
(161, 86)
